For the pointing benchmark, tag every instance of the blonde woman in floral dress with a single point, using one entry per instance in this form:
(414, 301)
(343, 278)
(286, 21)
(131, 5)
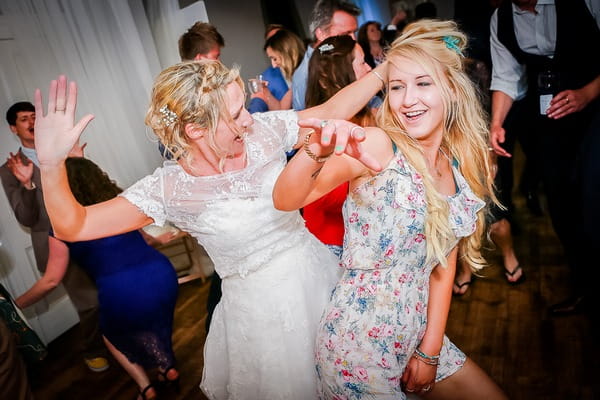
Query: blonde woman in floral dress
(382, 335)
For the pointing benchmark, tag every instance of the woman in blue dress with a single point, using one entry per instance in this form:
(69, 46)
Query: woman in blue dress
(137, 285)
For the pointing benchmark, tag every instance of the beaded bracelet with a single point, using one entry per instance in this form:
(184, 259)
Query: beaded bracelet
(430, 360)
(319, 159)
(425, 360)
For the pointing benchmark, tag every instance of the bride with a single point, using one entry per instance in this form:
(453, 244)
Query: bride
(277, 277)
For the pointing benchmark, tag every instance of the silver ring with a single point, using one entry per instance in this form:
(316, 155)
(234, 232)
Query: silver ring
(409, 390)
(324, 123)
(427, 388)
(567, 99)
(354, 128)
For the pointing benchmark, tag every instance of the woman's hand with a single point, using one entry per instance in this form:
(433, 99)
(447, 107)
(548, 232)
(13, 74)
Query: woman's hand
(345, 138)
(418, 377)
(56, 133)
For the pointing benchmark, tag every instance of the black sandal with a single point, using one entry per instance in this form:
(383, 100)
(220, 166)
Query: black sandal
(144, 391)
(510, 274)
(456, 290)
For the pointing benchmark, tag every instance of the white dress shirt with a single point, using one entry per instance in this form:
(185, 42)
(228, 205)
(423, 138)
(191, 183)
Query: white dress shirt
(536, 34)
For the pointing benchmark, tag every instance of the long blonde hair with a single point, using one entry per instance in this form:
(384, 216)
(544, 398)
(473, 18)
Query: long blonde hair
(438, 47)
(190, 92)
(290, 48)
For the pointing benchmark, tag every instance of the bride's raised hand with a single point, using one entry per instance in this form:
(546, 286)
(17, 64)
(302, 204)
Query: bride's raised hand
(346, 138)
(56, 132)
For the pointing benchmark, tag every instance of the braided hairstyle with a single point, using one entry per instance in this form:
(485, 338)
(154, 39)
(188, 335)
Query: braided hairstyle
(191, 92)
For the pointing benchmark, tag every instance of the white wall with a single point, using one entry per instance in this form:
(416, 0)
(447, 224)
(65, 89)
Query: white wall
(241, 24)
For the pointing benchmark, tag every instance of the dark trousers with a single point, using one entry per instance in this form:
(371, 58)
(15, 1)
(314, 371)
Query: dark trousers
(82, 292)
(561, 143)
(590, 199)
(517, 126)
(13, 375)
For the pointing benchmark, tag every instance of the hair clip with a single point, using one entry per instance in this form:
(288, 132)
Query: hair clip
(168, 116)
(452, 44)
(326, 47)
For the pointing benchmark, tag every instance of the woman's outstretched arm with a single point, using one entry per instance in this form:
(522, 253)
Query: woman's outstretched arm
(55, 135)
(58, 260)
(348, 101)
(348, 152)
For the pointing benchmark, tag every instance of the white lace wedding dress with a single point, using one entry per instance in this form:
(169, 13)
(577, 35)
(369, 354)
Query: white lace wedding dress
(277, 277)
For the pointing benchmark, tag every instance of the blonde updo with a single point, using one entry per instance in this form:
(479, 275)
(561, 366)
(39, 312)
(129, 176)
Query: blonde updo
(193, 92)
(438, 47)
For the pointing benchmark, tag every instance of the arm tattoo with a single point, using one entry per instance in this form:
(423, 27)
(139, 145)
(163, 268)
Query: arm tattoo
(316, 173)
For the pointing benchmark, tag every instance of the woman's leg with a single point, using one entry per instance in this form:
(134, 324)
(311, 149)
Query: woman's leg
(137, 373)
(502, 237)
(468, 383)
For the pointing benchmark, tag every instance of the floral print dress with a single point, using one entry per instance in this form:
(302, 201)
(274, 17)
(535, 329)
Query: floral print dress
(378, 311)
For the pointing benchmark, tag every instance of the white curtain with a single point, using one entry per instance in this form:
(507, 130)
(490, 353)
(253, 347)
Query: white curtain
(108, 48)
(164, 20)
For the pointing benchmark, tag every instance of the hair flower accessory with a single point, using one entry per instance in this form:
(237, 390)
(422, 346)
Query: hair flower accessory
(168, 116)
(325, 48)
(452, 43)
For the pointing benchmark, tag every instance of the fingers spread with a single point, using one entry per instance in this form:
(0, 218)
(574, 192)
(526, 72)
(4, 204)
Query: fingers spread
(314, 123)
(83, 122)
(328, 130)
(37, 100)
(52, 96)
(72, 99)
(61, 93)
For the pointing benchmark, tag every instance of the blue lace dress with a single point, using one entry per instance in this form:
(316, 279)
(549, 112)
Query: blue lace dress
(378, 311)
(137, 291)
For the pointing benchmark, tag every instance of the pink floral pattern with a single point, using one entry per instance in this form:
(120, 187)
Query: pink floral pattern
(378, 311)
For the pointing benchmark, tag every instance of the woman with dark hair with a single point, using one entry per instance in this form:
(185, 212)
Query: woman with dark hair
(370, 38)
(336, 63)
(137, 285)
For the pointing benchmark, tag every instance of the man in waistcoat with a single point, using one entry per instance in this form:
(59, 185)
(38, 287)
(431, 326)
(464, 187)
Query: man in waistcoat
(535, 43)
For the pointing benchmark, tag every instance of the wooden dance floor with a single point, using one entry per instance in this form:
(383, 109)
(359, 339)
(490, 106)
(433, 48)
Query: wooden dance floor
(505, 329)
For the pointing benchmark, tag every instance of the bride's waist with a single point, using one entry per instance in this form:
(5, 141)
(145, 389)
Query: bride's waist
(256, 255)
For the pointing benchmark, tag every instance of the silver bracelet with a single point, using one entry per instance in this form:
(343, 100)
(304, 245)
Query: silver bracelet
(379, 76)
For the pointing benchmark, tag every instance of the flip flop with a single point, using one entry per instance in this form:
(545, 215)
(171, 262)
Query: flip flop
(459, 286)
(509, 274)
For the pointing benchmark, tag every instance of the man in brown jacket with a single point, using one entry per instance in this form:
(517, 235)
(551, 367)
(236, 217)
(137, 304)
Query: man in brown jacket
(21, 180)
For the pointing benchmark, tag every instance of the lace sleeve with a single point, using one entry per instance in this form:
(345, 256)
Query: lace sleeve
(283, 124)
(147, 195)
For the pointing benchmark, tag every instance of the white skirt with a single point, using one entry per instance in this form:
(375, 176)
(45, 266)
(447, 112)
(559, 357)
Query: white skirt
(261, 340)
